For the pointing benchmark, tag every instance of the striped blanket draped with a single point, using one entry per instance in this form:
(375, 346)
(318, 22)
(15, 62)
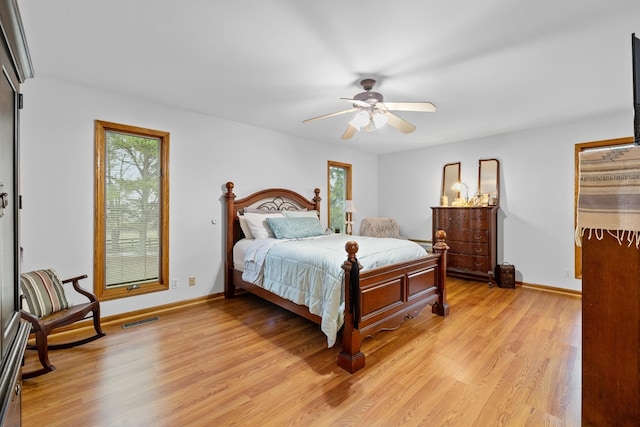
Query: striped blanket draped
(609, 195)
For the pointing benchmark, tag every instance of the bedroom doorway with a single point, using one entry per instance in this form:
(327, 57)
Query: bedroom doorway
(339, 188)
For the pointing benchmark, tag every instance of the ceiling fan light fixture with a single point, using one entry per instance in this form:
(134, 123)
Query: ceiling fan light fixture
(379, 120)
(360, 120)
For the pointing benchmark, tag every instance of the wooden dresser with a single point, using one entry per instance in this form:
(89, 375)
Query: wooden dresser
(471, 236)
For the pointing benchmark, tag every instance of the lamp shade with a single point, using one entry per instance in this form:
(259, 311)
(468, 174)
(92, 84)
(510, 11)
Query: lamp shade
(379, 120)
(349, 206)
(458, 186)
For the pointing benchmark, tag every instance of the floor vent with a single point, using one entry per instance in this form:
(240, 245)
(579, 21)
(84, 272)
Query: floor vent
(139, 322)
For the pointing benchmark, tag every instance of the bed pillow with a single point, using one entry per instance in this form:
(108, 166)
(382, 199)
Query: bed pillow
(258, 225)
(300, 214)
(295, 228)
(244, 225)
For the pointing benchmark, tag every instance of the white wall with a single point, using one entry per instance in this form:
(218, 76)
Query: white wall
(537, 191)
(57, 139)
(57, 161)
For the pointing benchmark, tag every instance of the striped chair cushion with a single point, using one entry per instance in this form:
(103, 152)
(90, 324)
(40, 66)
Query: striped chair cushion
(43, 292)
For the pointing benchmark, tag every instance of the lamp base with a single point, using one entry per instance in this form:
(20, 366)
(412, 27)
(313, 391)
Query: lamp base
(349, 227)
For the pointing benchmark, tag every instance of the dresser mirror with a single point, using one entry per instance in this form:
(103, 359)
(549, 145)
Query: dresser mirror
(450, 175)
(489, 180)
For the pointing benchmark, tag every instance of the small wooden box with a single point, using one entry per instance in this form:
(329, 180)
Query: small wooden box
(506, 275)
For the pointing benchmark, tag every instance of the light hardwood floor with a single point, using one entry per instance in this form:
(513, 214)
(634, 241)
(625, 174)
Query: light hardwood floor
(503, 357)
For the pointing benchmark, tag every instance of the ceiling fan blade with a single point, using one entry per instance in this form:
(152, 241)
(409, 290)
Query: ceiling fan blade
(401, 124)
(426, 107)
(357, 102)
(349, 132)
(351, 110)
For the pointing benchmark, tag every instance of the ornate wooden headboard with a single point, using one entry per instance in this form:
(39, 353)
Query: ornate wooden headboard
(270, 199)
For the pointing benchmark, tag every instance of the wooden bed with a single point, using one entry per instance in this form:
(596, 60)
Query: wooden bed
(375, 300)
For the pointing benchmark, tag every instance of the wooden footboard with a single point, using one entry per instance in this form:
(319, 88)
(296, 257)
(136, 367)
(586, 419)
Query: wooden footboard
(375, 300)
(382, 298)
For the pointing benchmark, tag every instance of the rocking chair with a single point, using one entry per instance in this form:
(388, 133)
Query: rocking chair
(47, 308)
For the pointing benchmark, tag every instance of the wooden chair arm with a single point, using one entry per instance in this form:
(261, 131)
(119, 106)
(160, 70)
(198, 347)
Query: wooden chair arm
(76, 285)
(75, 279)
(34, 320)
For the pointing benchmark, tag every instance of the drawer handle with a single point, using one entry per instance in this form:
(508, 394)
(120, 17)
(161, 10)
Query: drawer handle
(478, 237)
(477, 250)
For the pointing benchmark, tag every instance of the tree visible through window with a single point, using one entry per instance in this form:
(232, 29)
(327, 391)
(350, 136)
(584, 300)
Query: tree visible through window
(131, 252)
(339, 185)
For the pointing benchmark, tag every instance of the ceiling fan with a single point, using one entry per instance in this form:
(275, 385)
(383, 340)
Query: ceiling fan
(372, 112)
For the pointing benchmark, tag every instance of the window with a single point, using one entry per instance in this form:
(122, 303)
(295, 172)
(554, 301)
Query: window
(339, 185)
(595, 145)
(131, 253)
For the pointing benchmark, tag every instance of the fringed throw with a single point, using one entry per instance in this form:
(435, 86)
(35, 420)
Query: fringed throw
(354, 292)
(609, 195)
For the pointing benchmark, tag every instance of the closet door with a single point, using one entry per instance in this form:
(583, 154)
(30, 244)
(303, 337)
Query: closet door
(15, 67)
(9, 317)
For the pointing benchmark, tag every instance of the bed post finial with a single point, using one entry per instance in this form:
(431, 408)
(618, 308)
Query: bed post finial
(230, 194)
(317, 199)
(440, 245)
(352, 249)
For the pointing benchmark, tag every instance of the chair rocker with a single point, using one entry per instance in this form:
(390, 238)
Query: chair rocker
(47, 309)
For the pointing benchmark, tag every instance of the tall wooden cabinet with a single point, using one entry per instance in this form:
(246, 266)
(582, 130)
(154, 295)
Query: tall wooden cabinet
(610, 332)
(15, 68)
(472, 239)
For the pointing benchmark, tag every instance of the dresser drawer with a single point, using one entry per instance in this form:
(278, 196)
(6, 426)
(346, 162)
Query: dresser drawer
(468, 262)
(477, 214)
(478, 224)
(468, 248)
(461, 219)
(475, 236)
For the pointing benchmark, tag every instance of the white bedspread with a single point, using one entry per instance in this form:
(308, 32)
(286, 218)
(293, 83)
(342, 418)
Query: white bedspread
(254, 257)
(309, 271)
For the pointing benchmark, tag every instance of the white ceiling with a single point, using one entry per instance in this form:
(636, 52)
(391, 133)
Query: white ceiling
(490, 66)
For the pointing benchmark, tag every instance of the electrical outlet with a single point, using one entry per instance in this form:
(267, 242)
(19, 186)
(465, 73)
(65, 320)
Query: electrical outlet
(174, 283)
(192, 280)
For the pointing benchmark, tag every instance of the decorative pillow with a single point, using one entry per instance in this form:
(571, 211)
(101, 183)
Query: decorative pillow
(295, 228)
(300, 214)
(245, 227)
(43, 292)
(258, 225)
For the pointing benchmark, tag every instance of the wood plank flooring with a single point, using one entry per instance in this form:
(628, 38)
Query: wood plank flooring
(503, 357)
